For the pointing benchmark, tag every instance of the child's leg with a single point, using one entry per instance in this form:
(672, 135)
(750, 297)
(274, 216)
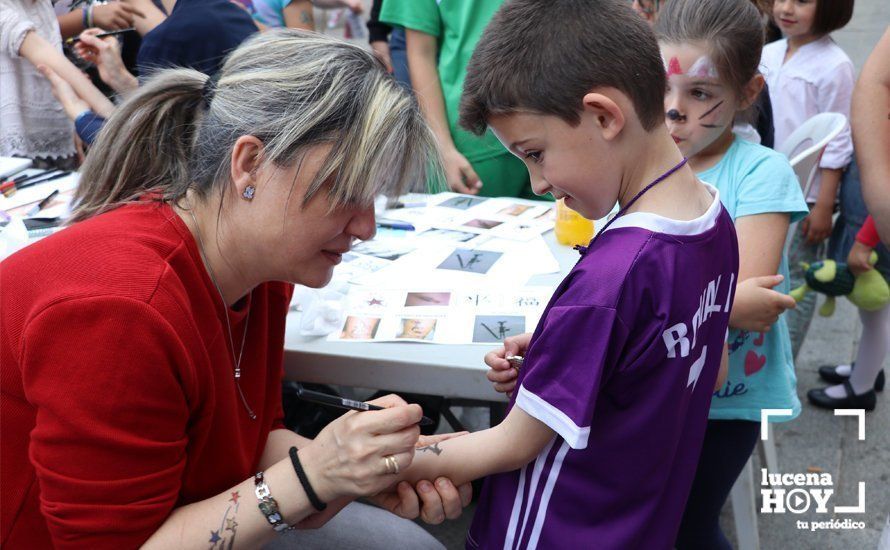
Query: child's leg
(800, 317)
(873, 348)
(727, 446)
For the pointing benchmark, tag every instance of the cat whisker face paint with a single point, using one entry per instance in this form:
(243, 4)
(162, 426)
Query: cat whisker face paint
(698, 106)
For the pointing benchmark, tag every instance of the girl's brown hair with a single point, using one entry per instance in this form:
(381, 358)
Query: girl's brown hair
(731, 30)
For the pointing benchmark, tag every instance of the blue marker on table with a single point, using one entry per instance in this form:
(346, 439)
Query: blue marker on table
(396, 225)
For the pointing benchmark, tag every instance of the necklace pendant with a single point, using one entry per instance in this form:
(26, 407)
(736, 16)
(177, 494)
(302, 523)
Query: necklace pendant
(237, 373)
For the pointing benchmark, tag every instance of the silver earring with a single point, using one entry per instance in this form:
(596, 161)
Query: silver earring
(248, 193)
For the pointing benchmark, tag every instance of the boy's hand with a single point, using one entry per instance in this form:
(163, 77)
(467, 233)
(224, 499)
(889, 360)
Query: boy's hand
(817, 226)
(858, 259)
(502, 374)
(757, 307)
(459, 174)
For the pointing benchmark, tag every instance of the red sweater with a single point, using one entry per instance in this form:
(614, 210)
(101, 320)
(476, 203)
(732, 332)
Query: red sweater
(868, 234)
(118, 397)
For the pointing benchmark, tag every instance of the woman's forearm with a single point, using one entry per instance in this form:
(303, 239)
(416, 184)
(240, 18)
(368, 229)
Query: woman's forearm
(278, 445)
(40, 52)
(233, 517)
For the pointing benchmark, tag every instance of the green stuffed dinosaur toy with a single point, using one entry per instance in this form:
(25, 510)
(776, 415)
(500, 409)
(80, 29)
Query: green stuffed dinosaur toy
(868, 291)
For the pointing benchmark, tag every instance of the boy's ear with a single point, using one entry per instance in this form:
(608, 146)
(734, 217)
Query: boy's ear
(751, 90)
(607, 114)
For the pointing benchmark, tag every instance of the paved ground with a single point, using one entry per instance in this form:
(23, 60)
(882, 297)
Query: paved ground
(817, 439)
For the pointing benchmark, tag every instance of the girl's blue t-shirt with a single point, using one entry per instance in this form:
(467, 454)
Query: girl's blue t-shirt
(756, 180)
(269, 12)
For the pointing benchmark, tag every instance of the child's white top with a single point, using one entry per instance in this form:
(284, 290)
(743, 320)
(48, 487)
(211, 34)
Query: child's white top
(33, 121)
(818, 78)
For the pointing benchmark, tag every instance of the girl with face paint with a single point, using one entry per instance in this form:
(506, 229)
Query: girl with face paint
(711, 50)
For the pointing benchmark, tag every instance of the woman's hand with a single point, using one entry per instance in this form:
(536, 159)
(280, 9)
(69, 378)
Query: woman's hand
(114, 16)
(502, 374)
(757, 306)
(434, 502)
(347, 459)
(105, 53)
(859, 259)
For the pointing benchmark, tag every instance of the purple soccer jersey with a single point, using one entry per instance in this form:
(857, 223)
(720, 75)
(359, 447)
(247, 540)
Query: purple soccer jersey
(622, 367)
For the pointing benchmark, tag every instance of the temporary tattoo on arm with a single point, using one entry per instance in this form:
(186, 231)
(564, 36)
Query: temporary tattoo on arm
(223, 538)
(305, 17)
(434, 448)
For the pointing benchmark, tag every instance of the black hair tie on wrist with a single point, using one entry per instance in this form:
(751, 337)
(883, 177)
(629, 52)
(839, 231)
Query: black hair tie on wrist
(209, 89)
(304, 481)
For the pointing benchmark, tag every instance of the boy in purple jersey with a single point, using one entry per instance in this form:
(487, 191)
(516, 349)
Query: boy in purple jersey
(602, 438)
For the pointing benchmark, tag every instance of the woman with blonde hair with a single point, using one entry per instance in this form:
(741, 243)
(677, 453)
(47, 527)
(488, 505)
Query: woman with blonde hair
(142, 346)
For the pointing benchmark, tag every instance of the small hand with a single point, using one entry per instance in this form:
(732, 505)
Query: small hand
(757, 307)
(380, 49)
(502, 374)
(62, 90)
(355, 6)
(114, 15)
(817, 226)
(459, 174)
(859, 259)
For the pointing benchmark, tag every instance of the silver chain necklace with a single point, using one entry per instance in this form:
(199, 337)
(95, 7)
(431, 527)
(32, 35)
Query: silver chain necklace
(237, 361)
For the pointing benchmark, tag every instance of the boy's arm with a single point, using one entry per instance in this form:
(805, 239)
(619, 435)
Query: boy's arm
(508, 446)
(423, 53)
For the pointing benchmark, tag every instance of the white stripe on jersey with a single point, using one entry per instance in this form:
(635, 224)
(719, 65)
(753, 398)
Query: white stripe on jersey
(510, 537)
(545, 498)
(510, 540)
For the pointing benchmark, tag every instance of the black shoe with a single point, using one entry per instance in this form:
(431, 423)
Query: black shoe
(830, 375)
(821, 399)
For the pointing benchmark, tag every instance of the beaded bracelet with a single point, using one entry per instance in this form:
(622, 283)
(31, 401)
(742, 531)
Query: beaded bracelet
(268, 505)
(304, 481)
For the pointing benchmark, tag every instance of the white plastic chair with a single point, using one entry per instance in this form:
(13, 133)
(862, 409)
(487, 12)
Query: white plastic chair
(804, 148)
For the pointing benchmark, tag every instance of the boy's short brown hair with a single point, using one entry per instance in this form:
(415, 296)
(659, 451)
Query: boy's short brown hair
(545, 56)
(832, 15)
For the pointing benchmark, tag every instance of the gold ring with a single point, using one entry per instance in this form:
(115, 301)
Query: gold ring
(392, 465)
